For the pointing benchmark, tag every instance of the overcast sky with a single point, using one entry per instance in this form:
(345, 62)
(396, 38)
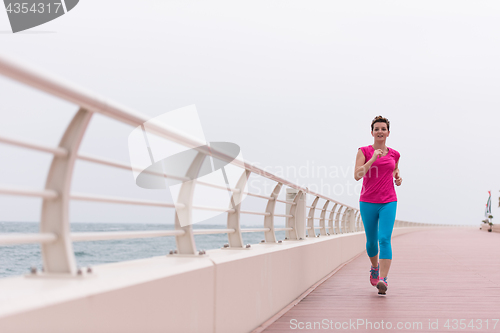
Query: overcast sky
(294, 83)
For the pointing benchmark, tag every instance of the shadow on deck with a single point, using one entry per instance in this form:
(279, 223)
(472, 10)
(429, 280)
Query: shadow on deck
(440, 281)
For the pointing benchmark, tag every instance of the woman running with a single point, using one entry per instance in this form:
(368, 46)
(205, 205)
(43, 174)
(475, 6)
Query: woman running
(377, 164)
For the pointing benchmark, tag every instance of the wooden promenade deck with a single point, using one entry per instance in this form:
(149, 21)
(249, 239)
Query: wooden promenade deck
(437, 277)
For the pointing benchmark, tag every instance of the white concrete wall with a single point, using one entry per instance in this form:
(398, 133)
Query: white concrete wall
(226, 291)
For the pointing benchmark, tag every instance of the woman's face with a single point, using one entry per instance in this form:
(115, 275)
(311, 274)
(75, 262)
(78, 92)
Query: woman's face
(380, 131)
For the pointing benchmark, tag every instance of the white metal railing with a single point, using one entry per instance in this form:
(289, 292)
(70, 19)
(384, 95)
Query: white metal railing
(55, 237)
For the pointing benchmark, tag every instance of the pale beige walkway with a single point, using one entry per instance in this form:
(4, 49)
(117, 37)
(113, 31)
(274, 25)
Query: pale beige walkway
(436, 276)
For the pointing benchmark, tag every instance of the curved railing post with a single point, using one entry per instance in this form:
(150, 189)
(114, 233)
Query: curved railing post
(360, 222)
(300, 215)
(348, 220)
(298, 219)
(185, 242)
(354, 220)
(356, 225)
(291, 195)
(343, 222)
(310, 219)
(337, 220)
(331, 228)
(58, 256)
(269, 236)
(233, 219)
(322, 229)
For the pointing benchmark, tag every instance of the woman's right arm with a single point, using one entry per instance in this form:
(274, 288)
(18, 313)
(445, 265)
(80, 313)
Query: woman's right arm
(361, 167)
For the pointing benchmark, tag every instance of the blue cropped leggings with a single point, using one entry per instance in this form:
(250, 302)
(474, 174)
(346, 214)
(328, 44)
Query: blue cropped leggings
(378, 219)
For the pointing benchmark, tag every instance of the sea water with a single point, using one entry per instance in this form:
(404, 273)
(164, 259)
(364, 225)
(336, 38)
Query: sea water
(18, 259)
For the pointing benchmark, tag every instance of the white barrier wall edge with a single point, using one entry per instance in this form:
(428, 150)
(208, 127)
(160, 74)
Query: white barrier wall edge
(224, 291)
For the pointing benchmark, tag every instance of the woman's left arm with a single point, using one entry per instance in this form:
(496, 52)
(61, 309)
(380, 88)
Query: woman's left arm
(397, 177)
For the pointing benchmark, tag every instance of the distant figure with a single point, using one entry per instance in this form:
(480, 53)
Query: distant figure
(377, 164)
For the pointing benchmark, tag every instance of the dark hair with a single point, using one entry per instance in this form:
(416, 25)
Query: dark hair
(380, 119)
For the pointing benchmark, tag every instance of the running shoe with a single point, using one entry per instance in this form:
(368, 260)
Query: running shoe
(374, 275)
(382, 286)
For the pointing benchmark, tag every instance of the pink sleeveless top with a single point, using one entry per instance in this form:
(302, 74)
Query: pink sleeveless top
(378, 182)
